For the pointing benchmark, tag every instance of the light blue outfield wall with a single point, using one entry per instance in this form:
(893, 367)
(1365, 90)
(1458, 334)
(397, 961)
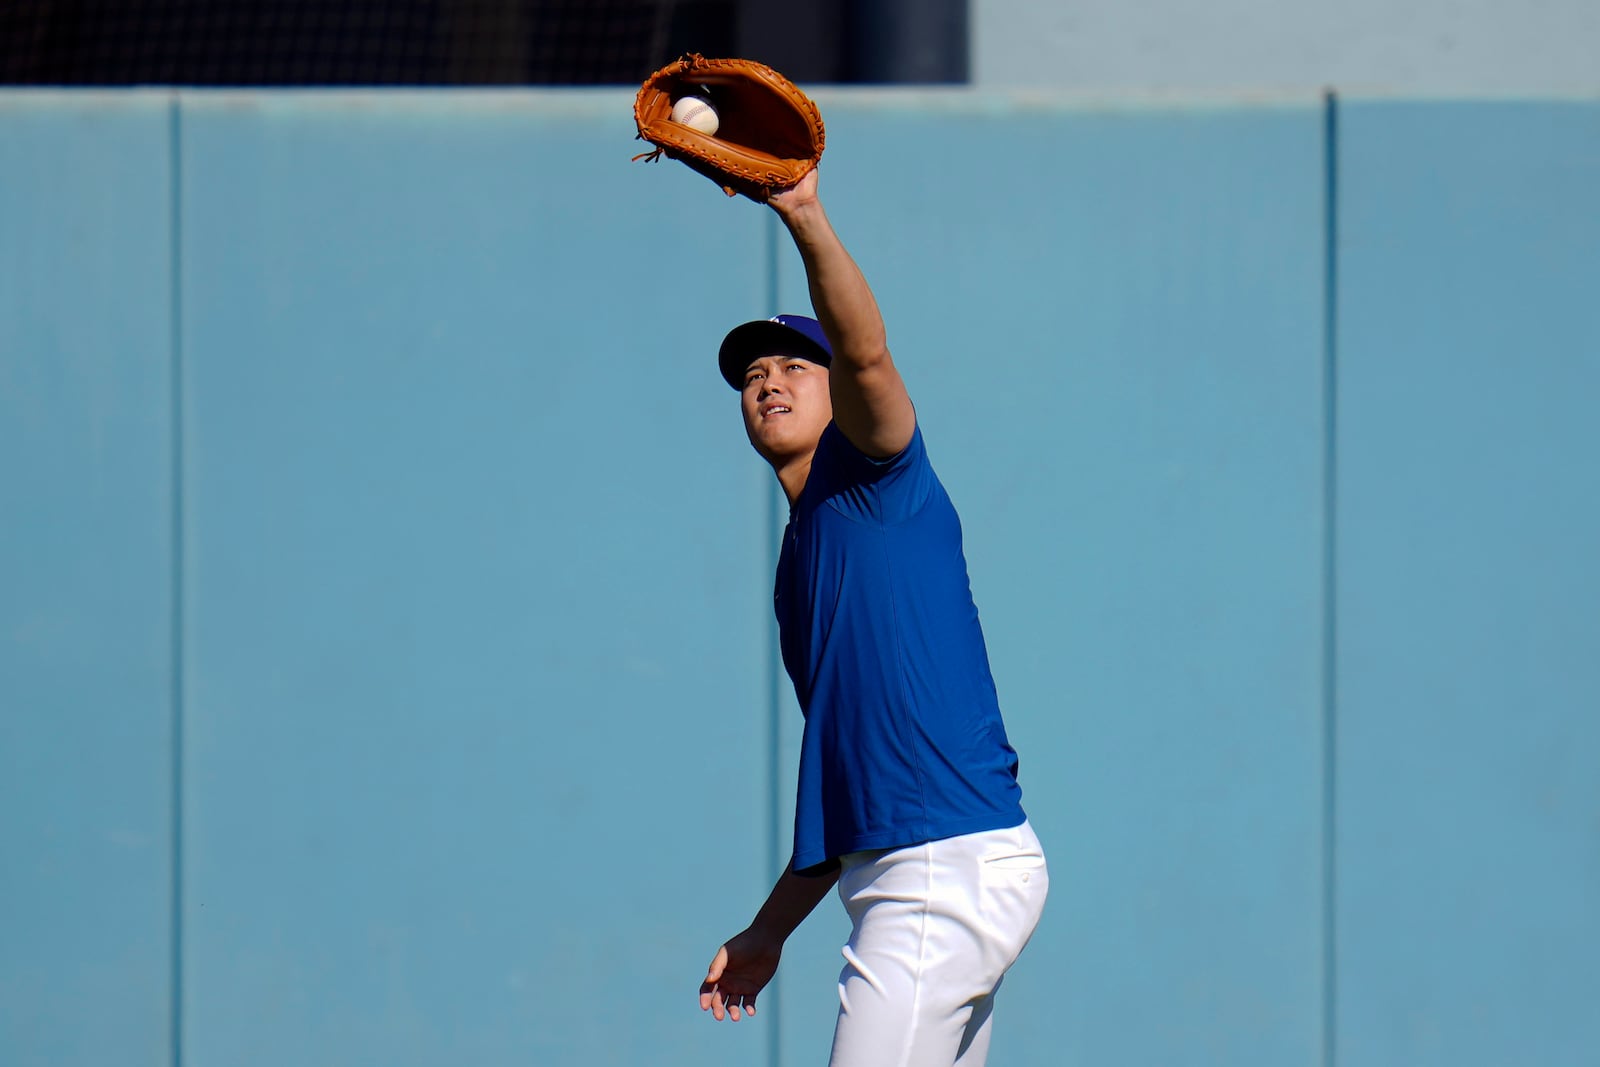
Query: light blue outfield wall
(477, 663)
(483, 747)
(86, 551)
(1469, 584)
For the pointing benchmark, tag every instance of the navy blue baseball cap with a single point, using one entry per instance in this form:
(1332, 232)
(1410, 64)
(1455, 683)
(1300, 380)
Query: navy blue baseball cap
(789, 335)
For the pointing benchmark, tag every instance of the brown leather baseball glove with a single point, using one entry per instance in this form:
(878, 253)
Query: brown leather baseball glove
(769, 134)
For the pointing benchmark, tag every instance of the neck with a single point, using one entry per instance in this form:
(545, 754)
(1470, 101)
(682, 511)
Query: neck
(792, 475)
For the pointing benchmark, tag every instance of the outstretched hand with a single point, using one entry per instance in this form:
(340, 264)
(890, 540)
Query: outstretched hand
(738, 972)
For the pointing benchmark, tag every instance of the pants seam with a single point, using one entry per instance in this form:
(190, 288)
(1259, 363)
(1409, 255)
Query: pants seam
(922, 955)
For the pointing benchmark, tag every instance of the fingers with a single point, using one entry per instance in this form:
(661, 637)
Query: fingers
(710, 996)
(721, 1002)
(725, 1005)
(731, 994)
(737, 1002)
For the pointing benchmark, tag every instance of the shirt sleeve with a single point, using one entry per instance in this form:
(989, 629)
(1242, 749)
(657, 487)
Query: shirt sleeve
(884, 491)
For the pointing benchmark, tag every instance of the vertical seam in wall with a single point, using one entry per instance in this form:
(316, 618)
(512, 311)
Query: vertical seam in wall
(176, 562)
(773, 497)
(1330, 616)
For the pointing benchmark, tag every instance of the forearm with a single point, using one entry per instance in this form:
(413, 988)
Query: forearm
(793, 897)
(870, 403)
(839, 292)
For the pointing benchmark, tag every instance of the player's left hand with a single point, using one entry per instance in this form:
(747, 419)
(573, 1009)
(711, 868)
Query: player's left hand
(738, 972)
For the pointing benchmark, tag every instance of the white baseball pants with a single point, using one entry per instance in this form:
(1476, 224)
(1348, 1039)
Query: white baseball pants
(935, 927)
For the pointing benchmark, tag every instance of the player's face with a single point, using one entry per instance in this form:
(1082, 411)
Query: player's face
(786, 405)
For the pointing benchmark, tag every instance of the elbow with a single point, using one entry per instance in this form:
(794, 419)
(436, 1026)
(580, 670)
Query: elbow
(868, 354)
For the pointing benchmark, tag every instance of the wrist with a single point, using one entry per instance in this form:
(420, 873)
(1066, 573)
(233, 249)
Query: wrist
(800, 216)
(767, 932)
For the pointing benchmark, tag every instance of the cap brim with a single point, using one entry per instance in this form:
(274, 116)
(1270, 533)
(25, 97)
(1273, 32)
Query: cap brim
(764, 337)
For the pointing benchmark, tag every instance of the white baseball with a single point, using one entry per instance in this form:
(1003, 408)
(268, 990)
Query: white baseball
(696, 113)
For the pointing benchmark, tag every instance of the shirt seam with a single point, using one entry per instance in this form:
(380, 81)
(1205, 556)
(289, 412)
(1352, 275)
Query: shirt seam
(903, 712)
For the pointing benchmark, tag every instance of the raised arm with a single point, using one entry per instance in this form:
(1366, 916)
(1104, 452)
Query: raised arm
(870, 403)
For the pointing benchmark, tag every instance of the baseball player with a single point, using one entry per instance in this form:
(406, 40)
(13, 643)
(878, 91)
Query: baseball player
(907, 798)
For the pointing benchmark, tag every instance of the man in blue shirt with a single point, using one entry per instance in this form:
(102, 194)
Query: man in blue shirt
(907, 797)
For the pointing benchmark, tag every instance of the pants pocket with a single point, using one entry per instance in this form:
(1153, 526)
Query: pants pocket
(1022, 860)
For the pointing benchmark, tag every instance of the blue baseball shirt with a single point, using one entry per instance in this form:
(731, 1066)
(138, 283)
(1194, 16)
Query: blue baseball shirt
(903, 737)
